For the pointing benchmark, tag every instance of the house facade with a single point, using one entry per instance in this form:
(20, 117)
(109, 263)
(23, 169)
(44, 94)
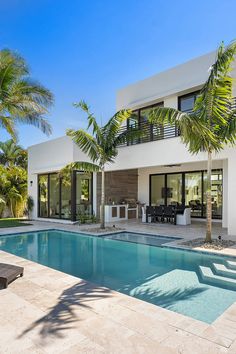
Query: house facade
(156, 169)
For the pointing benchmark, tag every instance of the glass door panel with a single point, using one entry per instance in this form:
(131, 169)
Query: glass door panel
(43, 196)
(174, 189)
(193, 192)
(66, 198)
(54, 207)
(83, 194)
(216, 194)
(157, 189)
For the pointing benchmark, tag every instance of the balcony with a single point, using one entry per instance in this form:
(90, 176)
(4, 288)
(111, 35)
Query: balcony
(154, 133)
(151, 133)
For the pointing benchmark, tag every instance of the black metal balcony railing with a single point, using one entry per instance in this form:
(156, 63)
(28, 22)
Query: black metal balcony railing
(151, 133)
(154, 133)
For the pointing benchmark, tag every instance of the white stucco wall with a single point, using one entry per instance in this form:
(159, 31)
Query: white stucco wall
(181, 78)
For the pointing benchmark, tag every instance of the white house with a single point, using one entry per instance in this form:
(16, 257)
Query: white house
(156, 169)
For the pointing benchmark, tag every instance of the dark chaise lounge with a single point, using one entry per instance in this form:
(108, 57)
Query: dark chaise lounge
(9, 272)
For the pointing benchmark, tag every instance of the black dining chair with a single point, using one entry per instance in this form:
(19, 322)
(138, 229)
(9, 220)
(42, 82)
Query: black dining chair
(170, 214)
(150, 212)
(159, 213)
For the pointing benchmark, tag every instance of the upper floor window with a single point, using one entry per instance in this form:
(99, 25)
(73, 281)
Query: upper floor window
(186, 102)
(139, 119)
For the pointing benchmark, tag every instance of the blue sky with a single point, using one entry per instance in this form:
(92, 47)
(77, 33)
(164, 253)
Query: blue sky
(83, 49)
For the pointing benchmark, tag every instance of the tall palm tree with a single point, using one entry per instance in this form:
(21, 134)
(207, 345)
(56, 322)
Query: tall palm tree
(22, 100)
(101, 145)
(212, 124)
(12, 154)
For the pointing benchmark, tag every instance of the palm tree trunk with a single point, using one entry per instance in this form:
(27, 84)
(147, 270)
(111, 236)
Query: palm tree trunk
(103, 201)
(208, 200)
(11, 208)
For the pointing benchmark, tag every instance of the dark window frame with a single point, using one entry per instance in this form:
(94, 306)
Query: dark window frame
(73, 195)
(183, 187)
(190, 94)
(138, 110)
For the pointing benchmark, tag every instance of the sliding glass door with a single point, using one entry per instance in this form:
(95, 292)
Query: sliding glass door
(54, 182)
(65, 198)
(83, 194)
(43, 195)
(216, 194)
(157, 184)
(193, 192)
(189, 189)
(174, 189)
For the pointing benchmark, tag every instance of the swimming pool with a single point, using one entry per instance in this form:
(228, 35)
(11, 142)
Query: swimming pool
(175, 279)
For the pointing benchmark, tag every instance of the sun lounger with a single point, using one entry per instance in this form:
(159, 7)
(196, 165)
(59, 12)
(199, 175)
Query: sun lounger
(9, 272)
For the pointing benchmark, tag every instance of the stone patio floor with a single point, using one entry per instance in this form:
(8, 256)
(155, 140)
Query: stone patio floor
(48, 311)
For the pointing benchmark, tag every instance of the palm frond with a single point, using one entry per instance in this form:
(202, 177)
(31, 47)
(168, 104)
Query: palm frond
(224, 59)
(37, 121)
(86, 142)
(194, 133)
(22, 99)
(228, 131)
(79, 166)
(166, 115)
(128, 136)
(9, 126)
(113, 126)
(96, 130)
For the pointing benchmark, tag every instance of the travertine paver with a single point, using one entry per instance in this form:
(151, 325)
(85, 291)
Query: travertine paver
(48, 311)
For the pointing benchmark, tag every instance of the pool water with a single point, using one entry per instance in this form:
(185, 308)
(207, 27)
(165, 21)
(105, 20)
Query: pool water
(166, 277)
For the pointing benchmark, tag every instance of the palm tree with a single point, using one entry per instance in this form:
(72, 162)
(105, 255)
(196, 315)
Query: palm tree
(101, 145)
(22, 100)
(13, 189)
(12, 154)
(212, 124)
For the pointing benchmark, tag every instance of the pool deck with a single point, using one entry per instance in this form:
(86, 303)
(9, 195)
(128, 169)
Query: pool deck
(48, 311)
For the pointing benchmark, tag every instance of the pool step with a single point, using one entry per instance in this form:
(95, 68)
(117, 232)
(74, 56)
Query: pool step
(216, 280)
(231, 264)
(221, 269)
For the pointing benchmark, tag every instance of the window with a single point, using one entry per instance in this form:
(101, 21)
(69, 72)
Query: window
(43, 195)
(139, 119)
(189, 189)
(193, 192)
(54, 209)
(174, 189)
(216, 194)
(150, 132)
(83, 194)
(66, 197)
(157, 189)
(133, 123)
(186, 102)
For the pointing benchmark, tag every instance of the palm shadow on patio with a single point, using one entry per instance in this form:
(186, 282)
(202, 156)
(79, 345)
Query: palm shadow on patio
(65, 315)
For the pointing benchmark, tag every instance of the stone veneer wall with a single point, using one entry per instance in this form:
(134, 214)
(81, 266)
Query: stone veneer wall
(118, 185)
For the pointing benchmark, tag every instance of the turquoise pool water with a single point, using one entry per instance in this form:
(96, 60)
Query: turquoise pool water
(166, 277)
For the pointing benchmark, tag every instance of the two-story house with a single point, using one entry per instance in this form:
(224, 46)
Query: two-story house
(156, 169)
